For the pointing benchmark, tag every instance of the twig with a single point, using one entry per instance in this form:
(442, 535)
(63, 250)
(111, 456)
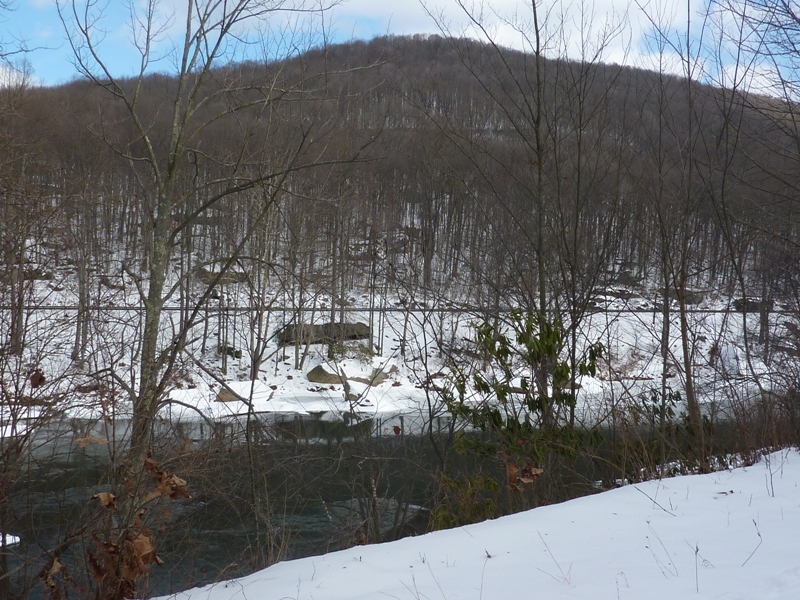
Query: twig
(654, 502)
(672, 569)
(483, 572)
(436, 581)
(760, 541)
(564, 578)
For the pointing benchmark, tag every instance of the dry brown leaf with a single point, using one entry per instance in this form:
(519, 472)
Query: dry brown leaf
(172, 486)
(143, 547)
(178, 487)
(54, 570)
(85, 441)
(106, 499)
(529, 473)
(512, 472)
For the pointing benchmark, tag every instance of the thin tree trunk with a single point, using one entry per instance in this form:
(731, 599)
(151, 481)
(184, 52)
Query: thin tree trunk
(16, 341)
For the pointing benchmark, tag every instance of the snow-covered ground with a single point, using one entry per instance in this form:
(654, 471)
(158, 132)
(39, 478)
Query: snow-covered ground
(416, 347)
(414, 337)
(732, 535)
(629, 371)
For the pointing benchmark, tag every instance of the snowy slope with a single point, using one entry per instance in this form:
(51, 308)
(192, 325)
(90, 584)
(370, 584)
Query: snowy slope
(733, 535)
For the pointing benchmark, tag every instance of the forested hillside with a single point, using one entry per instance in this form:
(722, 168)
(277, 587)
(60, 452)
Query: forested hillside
(431, 167)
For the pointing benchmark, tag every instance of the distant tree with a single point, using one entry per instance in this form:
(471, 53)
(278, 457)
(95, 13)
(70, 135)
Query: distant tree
(549, 157)
(675, 150)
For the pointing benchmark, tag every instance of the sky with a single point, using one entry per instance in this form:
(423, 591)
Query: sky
(36, 25)
(626, 30)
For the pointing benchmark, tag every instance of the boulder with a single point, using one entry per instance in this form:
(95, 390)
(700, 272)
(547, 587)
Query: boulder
(752, 305)
(376, 378)
(323, 334)
(225, 395)
(319, 375)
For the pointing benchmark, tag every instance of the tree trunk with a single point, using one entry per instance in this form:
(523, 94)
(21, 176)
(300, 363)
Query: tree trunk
(695, 418)
(82, 321)
(16, 341)
(145, 404)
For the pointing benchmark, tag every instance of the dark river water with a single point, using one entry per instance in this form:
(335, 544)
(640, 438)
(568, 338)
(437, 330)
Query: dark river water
(309, 499)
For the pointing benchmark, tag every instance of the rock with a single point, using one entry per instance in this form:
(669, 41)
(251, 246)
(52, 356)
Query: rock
(225, 395)
(378, 377)
(752, 305)
(319, 375)
(323, 334)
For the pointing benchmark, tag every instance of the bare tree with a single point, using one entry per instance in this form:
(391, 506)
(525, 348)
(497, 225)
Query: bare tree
(167, 164)
(161, 129)
(548, 160)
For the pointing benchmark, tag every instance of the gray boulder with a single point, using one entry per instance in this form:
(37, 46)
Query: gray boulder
(319, 375)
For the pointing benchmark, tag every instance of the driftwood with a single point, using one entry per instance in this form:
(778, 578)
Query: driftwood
(752, 305)
(323, 334)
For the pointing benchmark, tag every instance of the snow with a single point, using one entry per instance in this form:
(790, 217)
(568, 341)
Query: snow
(417, 340)
(731, 535)
(8, 540)
(627, 375)
(290, 393)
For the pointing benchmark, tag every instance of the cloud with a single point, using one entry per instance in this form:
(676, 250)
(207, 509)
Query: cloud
(630, 32)
(11, 77)
(573, 28)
